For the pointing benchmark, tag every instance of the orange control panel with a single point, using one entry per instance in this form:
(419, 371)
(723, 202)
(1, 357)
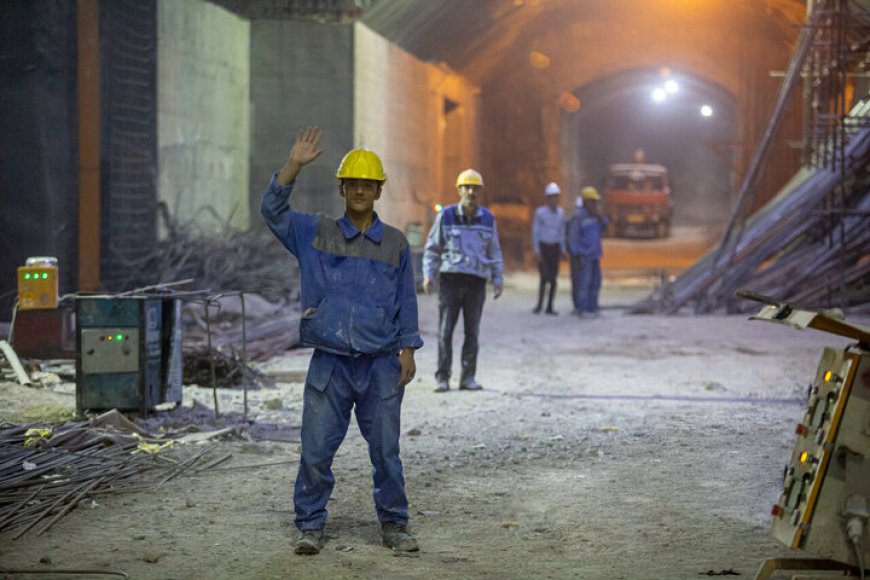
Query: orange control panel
(37, 287)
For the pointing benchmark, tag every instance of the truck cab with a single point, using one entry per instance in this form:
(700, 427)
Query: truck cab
(637, 198)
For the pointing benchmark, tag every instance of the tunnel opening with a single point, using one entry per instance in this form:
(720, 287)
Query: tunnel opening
(681, 121)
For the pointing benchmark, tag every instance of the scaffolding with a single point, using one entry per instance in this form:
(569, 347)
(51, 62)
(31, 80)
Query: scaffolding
(836, 80)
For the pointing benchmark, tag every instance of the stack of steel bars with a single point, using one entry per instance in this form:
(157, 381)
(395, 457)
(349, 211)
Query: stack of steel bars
(790, 249)
(46, 471)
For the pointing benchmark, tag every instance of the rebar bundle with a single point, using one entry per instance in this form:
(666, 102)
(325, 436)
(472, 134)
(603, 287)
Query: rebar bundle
(46, 471)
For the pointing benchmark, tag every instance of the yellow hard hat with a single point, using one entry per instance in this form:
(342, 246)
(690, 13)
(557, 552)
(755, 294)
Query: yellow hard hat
(469, 177)
(589, 192)
(361, 164)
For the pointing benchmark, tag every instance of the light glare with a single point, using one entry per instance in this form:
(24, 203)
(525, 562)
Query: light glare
(659, 95)
(671, 86)
(539, 60)
(569, 102)
(706, 111)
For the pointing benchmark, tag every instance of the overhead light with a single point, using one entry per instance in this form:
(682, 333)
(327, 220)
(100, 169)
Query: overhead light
(659, 94)
(706, 111)
(671, 86)
(569, 102)
(539, 60)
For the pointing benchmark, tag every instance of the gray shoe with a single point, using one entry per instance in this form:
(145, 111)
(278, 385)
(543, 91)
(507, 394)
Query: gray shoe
(397, 537)
(470, 385)
(309, 542)
(442, 387)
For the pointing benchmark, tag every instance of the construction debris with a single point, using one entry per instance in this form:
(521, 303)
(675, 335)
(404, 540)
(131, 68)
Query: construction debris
(250, 260)
(269, 328)
(810, 245)
(807, 246)
(48, 470)
(229, 370)
(12, 361)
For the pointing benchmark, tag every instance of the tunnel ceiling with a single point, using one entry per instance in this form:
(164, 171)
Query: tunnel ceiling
(488, 38)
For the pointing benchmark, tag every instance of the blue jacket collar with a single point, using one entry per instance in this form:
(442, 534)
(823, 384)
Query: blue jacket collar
(478, 213)
(375, 232)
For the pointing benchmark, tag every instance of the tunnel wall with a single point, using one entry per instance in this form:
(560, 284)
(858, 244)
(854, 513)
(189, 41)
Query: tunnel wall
(204, 113)
(420, 118)
(301, 75)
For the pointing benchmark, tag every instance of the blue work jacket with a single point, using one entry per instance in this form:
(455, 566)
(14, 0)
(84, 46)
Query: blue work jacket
(460, 244)
(583, 234)
(357, 288)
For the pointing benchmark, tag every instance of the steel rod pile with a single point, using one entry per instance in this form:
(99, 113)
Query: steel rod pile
(251, 260)
(791, 249)
(43, 478)
(229, 370)
(265, 335)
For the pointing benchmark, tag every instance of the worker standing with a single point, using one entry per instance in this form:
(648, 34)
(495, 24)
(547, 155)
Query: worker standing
(463, 250)
(584, 231)
(548, 244)
(360, 316)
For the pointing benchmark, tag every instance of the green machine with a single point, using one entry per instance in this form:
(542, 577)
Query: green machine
(128, 352)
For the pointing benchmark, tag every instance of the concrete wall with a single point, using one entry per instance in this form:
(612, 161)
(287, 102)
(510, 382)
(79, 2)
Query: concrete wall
(420, 118)
(301, 75)
(204, 119)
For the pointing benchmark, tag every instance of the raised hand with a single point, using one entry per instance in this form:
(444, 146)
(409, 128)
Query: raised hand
(304, 151)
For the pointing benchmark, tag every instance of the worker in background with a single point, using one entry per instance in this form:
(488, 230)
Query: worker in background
(548, 243)
(583, 234)
(359, 313)
(463, 250)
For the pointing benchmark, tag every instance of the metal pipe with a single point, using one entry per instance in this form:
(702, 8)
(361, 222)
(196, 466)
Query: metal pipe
(211, 358)
(244, 356)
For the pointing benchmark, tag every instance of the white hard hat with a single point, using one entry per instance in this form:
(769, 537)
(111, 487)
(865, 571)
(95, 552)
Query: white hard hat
(552, 189)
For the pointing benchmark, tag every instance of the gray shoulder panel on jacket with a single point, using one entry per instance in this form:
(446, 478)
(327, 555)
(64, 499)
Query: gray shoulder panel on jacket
(330, 239)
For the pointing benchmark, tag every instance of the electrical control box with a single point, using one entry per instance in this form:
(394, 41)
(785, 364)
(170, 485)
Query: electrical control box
(824, 506)
(37, 284)
(128, 353)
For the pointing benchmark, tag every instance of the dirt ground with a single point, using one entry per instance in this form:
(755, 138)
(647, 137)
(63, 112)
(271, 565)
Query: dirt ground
(617, 447)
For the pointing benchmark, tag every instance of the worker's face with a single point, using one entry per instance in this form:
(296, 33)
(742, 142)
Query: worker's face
(470, 197)
(591, 205)
(360, 194)
(552, 201)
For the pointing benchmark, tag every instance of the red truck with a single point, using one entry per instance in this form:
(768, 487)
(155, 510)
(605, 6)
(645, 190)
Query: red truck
(637, 198)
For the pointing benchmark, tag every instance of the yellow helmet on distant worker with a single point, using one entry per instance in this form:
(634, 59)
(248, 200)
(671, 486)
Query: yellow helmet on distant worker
(361, 164)
(589, 192)
(469, 177)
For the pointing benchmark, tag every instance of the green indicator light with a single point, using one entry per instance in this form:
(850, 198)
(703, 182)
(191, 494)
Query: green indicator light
(119, 337)
(45, 275)
(27, 276)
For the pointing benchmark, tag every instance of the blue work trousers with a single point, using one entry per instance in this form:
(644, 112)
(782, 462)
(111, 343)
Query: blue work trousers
(334, 386)
(585, 283)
